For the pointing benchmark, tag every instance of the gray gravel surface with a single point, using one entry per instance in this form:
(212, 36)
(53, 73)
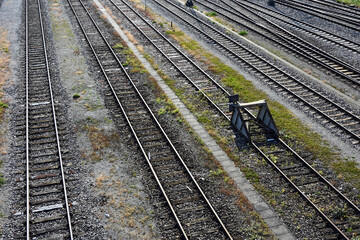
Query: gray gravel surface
(10, 20)
(354, 106)
(196, 157)
(296, 214)
(112, 196)
(344, 54)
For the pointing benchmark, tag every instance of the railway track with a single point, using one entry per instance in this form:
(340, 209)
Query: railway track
(342, 215)
(47, 208)
(314, 188)
(193, 214)
(288, 41)
(300, 26)
(182, 67)
(350, 21)
(311, 100)
(338, 6)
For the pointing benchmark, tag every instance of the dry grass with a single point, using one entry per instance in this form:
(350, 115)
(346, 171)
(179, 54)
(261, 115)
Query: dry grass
(100, 180)
(103, 16)
(4, 59)
(140, 48)
(109, 11)
(139, 5)
(131, 37)
(4, 76)
(98, 138)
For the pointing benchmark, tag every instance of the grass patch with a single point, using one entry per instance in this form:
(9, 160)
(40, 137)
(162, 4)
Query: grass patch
(100, 140)
(291, 128)
(118, 46)
(2, 180)
(3, 106)
(243, 33)
(350, 2)
(168, 106)
(131, 60)
(175, 33)
(211, 14)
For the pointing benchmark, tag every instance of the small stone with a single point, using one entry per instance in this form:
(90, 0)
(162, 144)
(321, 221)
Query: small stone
(18, 214)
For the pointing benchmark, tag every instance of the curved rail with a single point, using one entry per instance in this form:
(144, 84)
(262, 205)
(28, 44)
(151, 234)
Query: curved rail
(135, 129)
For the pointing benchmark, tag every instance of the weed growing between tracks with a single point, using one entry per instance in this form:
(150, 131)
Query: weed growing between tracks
(292, 130)
(4, 67)
(4, 75)
(350, 2)
(167, 112)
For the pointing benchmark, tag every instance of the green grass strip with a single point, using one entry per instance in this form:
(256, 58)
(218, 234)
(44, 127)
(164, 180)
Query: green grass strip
(291, 128)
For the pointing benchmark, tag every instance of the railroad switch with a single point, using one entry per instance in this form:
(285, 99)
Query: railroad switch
(242, 114)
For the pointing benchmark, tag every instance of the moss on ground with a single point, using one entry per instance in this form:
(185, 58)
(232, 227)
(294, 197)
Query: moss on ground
(350, 2)
(292, 130)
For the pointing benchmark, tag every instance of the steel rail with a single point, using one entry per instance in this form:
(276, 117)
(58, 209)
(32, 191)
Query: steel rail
(345, 12)
(55, 126)
(27, 151)
(171, 61)
(282, 142)
(356, 208)
(299, 46)
(351, 204)
(337, 5)
(264, 74)
(335, 39)
(125, 115)
(333, 226)
(322, 14)
(155, 120)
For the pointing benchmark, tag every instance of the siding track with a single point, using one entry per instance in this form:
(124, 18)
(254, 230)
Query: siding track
(300, 175)
(346, 19)
(310, 100)
(286, 40)
(301, 26)
(193, 215)
(47, 208)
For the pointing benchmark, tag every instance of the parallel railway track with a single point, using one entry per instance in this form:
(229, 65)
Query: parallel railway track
(300, 26)
(335, 5)
(351, 21)
(299, 174)
(311, 100)
(184, 68)
(279, 36)
(193, 215)
(47, 207)
(337, 211)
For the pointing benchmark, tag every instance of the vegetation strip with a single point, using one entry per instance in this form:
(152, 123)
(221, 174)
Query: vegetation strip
(292, 130)
(4, 76)
(164, 110)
